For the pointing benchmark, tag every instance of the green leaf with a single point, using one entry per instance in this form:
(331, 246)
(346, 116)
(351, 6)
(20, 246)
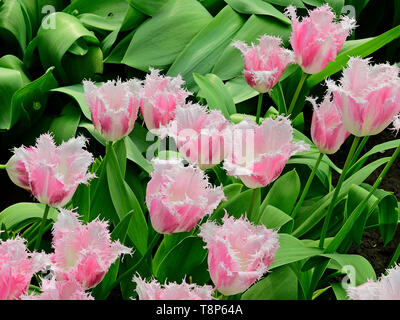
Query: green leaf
(280, 284)
(149, 7)
(64, 127)
(134, 154)
(236, 207)
(125, 202)
(230, 64)
(76, 92)
(257, 7)
(213, 90)
(158, 41)
(274, 218)
(362, 51)
(13, 24)
(202, 52)
(239, 90)
(283, 193)
(187, 254)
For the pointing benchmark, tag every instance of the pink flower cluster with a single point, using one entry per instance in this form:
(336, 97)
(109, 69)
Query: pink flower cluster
(82, 256)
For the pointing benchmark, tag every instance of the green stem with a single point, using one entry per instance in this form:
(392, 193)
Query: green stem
(336, 242)
(252, 201)
(260, 98)
(283, 99)
(359, 149)
(129, 272)
(337, 190)
(307, 186)
(42, 224)
(298, 90)
(3, 166)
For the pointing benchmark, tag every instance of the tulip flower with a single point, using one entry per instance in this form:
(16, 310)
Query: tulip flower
(153, 290)
(327, 130)
(52, 173)
(83, 252)
(264, 63)
(178, 196)
(239, 253)
(17, 267)
(317, 39)
(385, 288)
(259, 153)
(160, 96)
(199, 134)
(368, 96)
(113, 107)
(60, 290)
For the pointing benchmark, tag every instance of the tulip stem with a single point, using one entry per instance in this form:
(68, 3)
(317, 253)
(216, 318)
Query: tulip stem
(307, 186)
(359, 149)
(2, 166)
(42, 224)
(298, 90)
(260, 98)
(336, 242)
(337, 190)
(252, 201)
(129, 272)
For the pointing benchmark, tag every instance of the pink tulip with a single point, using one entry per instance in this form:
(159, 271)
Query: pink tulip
(83, 252)
(199, 134)
(239, 253)
(113, 106)
(327, 130)
(264, 63)
(259, 153)
(385, 288)
(178, 196)
(60, 290)
(153, 290)
(368, 96)
(17, 267)
(160, 96)
(317, 39)
(51, 173)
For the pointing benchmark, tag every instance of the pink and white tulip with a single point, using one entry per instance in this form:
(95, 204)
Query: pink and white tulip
(327, 130)
(60, 290)
(83, 252)
(199, 134)
(52, 173)
(385, 288)
(17, 267)
(368, 96)
(113, 106)
(239, 253)
(260, 152)
(160, 96)
(178, 196)
(317, 39)
(264, 63)
(153, 290)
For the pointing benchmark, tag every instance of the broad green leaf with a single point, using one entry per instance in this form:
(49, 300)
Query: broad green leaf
(237, 206)
(285, 3)
(239, 90)
(12, 24)
(202, 52)
(76, 92)
(362, 51)
(314, 213)
(134, 154)
(158, 41)
(230, 64)
(64, 127)
(274, 218)
(280, 284)
(118, 53)
(257, 7)
(213, 90)
(149, 7)
(187, 254)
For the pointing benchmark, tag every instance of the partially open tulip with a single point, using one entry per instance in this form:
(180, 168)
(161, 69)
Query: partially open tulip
(178, 196)
(260, 152)
(239, 253)
(264, 63)
(160, 96)
(113, 106)
(153, 290)
(52, 173)
(317, 39)
(368, 96)
(385, 288)
(17, 267)
(83, 252)
(199, 134)
(327, 130)
(60, 290)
